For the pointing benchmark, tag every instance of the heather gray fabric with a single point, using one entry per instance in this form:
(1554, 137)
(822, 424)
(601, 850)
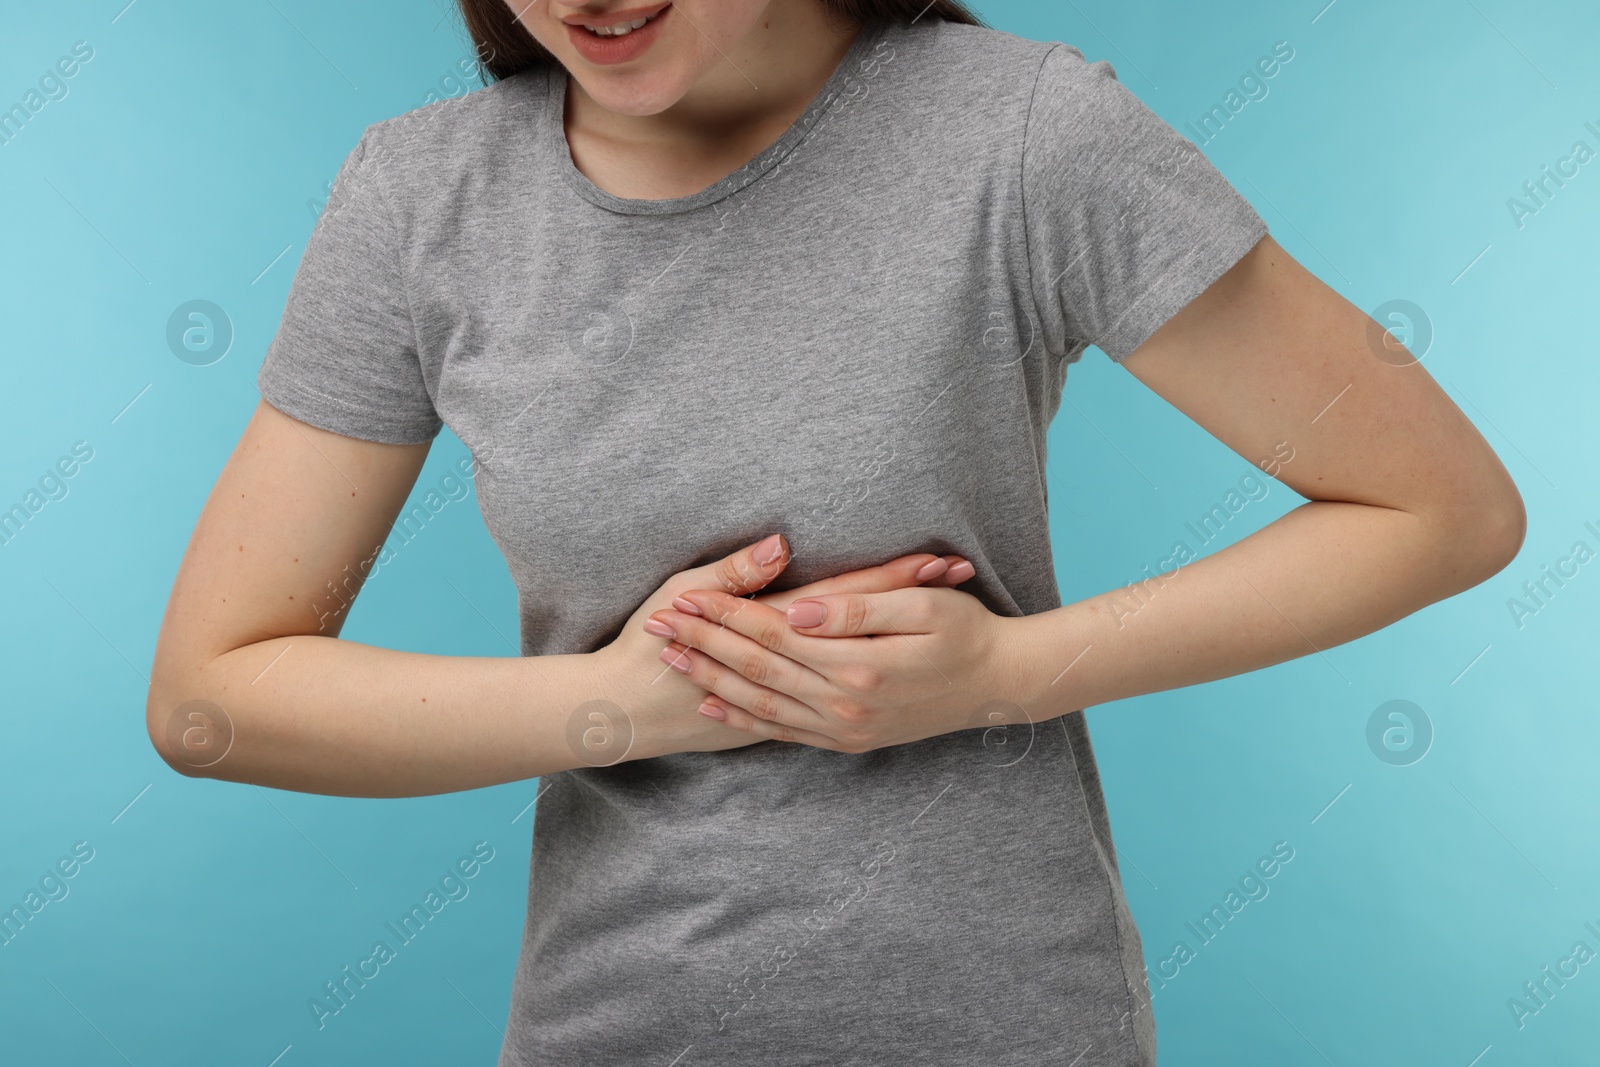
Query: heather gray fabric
(858, 339)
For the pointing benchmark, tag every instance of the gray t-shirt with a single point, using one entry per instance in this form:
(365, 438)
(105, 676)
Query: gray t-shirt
(858, 339)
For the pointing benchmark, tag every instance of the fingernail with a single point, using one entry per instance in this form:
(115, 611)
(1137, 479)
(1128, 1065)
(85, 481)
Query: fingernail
(769, 549)
(659, 628)
(685, 606)
(711, 711)
(962, 571)
(807, 613)
(932, 569)
(676, 660)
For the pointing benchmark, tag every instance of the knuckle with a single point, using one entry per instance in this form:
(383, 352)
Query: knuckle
(768, 637)
(860, 678)
(764, 706)
(857, 742)
(728, 574)
(855, 614)
(753, 665)
(724, 573)
(850, 712)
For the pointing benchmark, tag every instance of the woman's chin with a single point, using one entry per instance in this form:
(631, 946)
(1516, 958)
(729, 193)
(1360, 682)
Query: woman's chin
(644, 93)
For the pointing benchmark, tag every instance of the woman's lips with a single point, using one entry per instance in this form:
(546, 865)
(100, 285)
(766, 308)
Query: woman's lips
(611, 50)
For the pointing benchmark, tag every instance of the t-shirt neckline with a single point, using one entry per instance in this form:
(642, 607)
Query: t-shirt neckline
(556, 137)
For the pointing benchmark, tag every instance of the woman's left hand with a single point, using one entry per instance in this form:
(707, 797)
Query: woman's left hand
(878, 669)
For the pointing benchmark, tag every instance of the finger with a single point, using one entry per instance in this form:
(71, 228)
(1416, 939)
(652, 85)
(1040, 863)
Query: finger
(946, 572)
(898, 611)
(759, 702)
(753, 638)
(959, 569)
(895, 574)
(741, 719)
(741, 634)
(750, 568)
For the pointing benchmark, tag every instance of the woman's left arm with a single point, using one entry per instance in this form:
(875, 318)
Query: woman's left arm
(1406, 505)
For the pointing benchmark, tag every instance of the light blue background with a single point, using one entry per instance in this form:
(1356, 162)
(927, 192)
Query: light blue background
(1420, 898)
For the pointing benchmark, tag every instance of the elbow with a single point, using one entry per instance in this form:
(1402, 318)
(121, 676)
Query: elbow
(1494, 538)
(1505, 536)
(161, 720)
(1517, 535)
(1472, 540)
(189, 735)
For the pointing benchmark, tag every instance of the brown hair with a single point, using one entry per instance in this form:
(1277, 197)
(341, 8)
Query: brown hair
(505, 48)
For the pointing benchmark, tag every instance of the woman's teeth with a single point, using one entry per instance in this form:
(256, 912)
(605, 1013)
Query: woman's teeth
(620, 30)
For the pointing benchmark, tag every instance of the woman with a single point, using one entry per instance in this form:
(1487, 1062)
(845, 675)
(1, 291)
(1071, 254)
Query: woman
(687, 277)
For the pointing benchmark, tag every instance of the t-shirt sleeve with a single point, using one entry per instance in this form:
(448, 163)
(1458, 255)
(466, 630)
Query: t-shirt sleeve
(1126, 220)
(344, 357)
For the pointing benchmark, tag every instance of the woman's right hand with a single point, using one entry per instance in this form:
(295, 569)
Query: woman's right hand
(659, 704)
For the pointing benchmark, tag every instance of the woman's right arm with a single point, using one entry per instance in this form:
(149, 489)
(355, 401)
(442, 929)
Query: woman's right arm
(252, 628)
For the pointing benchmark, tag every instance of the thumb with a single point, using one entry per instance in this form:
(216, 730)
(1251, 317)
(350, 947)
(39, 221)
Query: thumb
(742, 572)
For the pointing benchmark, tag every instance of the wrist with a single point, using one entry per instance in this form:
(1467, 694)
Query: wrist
(654, 711)
(611, 722)
(1033, 664)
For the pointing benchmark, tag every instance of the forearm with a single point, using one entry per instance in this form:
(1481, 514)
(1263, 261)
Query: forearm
(332, 716)
(1321, 575)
